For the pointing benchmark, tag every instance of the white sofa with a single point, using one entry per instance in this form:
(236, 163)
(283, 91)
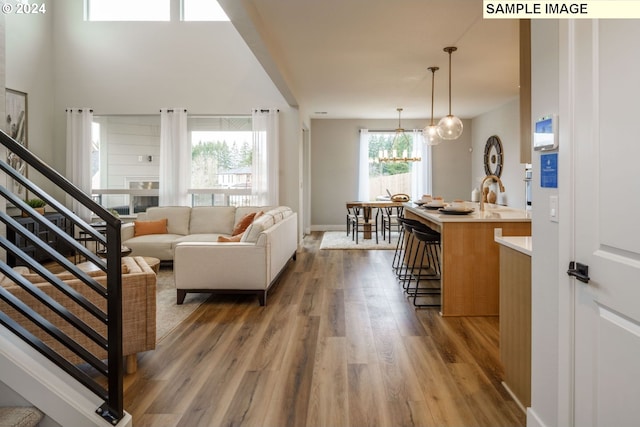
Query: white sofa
(202, 264)
(184, 224)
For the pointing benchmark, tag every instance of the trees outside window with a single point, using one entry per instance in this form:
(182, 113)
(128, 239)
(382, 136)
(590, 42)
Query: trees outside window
(378, 178)
(221, 159)
(392, 176)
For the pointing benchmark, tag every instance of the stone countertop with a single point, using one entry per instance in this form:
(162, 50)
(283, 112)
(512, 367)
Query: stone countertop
(492, 213)
(523, 244)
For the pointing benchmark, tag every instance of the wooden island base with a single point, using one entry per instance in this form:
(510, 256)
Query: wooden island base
(470, 257)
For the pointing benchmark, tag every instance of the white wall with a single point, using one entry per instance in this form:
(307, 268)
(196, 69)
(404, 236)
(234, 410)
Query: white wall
(505, 123)
(138, 68)
(123, 139)
(29, 68)
(334, 165)
(452, 166)
(3, 150)
(544, 261)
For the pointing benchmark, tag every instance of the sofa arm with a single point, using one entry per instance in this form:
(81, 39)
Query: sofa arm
(127, 231)
(213, 265)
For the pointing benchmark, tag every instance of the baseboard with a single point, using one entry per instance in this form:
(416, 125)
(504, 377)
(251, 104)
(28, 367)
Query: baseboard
(514, 397)
(342, 227)
(533, 420)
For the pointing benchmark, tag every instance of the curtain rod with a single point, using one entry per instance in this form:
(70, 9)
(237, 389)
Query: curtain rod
(79, 110)
(389, 130)
(264, 111)
(219, 116)
(170, 110)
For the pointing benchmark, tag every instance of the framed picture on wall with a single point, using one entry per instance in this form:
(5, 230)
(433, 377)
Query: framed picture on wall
(16, 128)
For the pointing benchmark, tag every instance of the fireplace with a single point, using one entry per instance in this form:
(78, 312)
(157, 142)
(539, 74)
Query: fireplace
(140, 202)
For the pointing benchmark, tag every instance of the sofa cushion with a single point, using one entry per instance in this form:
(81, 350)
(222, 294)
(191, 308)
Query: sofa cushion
(243, 210)
(280, 213)
(202, 237)
(142, 228)
(212, 219)
(267, 220)
(177, 217)
(258, 226)
(153, 245)
(242, 225)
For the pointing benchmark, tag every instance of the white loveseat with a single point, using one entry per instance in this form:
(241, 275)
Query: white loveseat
(202, 264)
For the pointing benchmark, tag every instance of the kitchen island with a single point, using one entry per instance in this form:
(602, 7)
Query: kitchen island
(469, 258)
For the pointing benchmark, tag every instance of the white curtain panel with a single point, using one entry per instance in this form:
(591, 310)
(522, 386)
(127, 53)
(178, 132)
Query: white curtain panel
(79, 121)
(421, 176)
(175, 158)
(265, 185)
(363, 166)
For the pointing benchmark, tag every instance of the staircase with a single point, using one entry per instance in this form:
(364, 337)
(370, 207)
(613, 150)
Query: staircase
(37, 381)
(20, 416)
(32, 371)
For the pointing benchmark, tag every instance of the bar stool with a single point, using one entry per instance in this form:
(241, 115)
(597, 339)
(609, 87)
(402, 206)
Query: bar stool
(427, 265)
(397, 256)
(406, 258)
(400, 245)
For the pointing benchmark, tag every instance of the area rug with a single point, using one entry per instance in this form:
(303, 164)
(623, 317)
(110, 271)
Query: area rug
(169, 314)
(340, 240)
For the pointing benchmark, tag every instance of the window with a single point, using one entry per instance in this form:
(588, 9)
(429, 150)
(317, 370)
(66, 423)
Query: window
(202, 10)
(125, 161)
(378, 179)
(222, 154)
(128, 10)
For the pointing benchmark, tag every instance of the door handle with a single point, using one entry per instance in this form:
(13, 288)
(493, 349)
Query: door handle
(579, 271)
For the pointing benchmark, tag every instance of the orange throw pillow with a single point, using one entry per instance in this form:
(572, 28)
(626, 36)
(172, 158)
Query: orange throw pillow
(142, 228)
(242, 225)
(236, 238)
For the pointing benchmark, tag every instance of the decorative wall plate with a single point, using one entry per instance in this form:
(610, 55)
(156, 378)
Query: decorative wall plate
(493, 156)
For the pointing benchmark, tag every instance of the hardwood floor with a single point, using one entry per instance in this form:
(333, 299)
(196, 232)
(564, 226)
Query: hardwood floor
(338, 344)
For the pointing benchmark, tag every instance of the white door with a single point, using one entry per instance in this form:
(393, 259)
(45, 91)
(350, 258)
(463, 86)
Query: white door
(606, 219)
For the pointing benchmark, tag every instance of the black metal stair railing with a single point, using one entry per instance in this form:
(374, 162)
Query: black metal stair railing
(30, 324)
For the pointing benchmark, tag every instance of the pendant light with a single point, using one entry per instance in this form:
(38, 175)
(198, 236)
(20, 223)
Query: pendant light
(450, 127)
(431, 132)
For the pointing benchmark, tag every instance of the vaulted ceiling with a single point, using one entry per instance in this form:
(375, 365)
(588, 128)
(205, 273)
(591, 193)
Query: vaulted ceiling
(365, 58)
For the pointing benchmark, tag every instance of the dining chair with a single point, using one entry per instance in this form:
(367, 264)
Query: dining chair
(354, 212)
(390, 215)
(367, 222)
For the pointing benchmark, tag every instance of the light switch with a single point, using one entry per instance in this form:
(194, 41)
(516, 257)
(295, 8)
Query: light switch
(553, 208)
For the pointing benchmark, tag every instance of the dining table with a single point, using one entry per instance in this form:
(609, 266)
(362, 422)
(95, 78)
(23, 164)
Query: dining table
(367, 210)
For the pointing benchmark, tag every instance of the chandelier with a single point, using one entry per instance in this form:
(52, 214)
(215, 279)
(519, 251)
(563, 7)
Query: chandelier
(400, 138)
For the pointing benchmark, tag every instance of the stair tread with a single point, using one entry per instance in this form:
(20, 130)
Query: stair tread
(20, 416)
